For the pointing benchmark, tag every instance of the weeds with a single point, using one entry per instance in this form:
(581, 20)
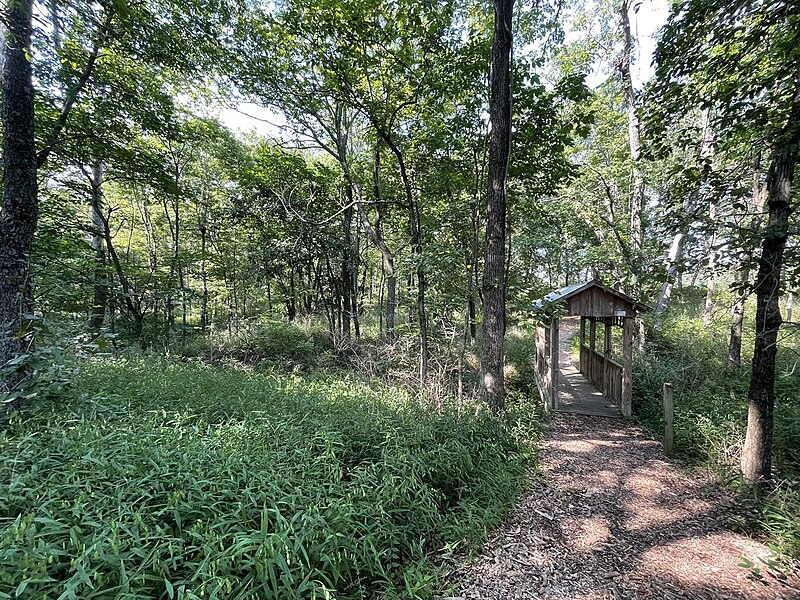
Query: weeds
(711, 414)
(179, 480)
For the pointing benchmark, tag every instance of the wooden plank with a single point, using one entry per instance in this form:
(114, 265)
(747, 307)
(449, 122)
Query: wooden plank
(554, 362)
(669, 409)
(607, 373)
(627, 365)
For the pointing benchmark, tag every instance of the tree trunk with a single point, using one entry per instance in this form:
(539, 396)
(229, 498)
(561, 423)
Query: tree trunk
(347, 268)
(742, 275)
(376, 237)
(19, 204)
(134, 307)
(634, 140)
(673, 260)
(757, 452)
(492, 381)
(204, 276)
(415, 231)
(98, 312)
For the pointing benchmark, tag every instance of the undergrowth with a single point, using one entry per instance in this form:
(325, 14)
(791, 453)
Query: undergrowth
(158, 479)
(711, 413)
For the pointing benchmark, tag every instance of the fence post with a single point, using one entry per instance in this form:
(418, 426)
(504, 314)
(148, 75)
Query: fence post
(669, 409)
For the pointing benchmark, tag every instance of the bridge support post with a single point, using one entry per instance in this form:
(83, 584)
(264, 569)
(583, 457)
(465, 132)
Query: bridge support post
(554, 363)
(627, 366)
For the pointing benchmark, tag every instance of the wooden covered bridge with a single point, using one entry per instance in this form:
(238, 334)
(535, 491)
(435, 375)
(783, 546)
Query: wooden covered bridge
(601, 385)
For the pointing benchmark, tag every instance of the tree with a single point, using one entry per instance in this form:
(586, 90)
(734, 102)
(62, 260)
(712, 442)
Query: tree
(19, 203)
(743, 58)
(492, 380)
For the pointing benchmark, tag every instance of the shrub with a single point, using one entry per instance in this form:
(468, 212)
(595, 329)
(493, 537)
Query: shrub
(163, 480)
(711, 413)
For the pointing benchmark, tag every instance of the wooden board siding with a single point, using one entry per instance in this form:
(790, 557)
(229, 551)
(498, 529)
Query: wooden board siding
(596, 302)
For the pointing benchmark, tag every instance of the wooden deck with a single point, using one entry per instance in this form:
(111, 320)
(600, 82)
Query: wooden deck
(576, 393)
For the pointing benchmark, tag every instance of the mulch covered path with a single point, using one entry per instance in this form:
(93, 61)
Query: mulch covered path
(611, 518)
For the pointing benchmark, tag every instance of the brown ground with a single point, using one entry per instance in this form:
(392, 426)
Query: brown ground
(610, 518)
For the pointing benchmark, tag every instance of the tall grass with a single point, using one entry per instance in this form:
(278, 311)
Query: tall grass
(711, 411)
(157, 479)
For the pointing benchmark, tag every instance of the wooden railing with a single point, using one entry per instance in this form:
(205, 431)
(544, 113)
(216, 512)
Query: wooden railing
(604, 373)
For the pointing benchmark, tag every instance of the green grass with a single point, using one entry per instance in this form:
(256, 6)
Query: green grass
(156, 479)
(711, 412)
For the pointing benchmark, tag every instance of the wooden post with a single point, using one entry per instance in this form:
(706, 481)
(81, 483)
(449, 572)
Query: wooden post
(554, 362)
(627, 366)
(669, 409)
(592, 346)
(582, 338)
(606, 358)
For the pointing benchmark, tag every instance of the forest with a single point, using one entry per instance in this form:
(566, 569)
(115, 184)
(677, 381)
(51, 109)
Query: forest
(270, 277)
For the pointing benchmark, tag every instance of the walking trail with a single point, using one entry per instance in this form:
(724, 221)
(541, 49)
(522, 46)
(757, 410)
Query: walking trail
(609, 517)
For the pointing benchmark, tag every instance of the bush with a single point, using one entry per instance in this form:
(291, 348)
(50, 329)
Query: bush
(163, 480)
(711, 413)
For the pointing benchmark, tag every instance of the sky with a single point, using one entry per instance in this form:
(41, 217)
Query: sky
(645, 22)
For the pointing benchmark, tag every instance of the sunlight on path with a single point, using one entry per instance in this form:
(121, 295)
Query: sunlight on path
(611, 518)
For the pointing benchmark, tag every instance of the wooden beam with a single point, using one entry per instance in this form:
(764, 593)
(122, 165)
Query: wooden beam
(669, 409)
(606, 350)
(627, 366)
(554, 362)
(583, 343)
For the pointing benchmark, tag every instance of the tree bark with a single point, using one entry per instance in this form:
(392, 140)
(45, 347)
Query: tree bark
(673, 260)
(348, 299)
(203, 226)
(634, 139)
(376, 237)
(742, 275)
(757, 452)
(492, 382)
(100, 287)
(19, 212)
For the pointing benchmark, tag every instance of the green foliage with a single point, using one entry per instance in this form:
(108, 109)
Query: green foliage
(711, 413)
(177, 480)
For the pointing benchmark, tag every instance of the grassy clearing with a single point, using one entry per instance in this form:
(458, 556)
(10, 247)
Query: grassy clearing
(711, 412)
(178, 480)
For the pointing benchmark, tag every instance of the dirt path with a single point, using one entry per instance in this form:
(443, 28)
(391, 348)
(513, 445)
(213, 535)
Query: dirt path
(610, 518)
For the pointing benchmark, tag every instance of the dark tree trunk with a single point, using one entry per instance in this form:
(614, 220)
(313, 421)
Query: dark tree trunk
(19, 209)
(133, 305)
(415, 231)
(492, 382)
(98, 312)
(757, 452)
(204, 276)
(376, 237)
(742, 275)
(347, 268)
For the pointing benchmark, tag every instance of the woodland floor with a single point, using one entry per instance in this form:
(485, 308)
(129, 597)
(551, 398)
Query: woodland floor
(609, 517)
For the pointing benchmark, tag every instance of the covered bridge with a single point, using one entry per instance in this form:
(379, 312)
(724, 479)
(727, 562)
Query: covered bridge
(606, 362)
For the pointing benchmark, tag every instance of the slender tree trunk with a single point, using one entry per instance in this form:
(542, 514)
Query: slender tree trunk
(673, 260)
(134, 306)
(757, 451)
(492, 380)
(375, 234)
(415, 230)
(100, 286)
(634, 139)
(711, 267)
(204, 276)
(347, 268)
(742, 275)
(19, 212)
